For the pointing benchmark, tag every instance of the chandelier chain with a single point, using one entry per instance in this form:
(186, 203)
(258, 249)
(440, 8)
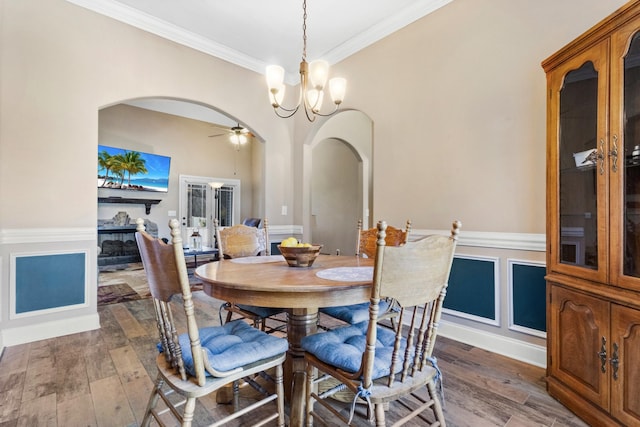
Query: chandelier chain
(304, 30)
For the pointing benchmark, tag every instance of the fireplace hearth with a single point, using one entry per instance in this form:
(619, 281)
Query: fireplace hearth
(117, 242)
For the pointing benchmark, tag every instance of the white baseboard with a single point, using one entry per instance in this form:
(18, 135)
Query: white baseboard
(515, 349)
(50, 329)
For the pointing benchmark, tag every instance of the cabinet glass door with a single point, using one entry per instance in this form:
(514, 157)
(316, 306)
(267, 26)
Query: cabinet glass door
(624, 158)
(578, 200)
(579, 168)
(631, 160)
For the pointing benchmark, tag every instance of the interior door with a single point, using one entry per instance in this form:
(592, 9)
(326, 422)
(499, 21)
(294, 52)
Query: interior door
(202, 199)
(196, 212)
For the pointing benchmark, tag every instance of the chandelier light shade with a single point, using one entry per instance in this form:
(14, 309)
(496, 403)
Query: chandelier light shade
(313, 80)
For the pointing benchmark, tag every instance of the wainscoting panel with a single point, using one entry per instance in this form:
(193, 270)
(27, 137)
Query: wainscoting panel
(48, 282)
(527, 299)
(473, 291)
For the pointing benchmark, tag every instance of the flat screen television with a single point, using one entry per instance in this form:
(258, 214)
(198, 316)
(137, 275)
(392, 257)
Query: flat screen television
(132, 170)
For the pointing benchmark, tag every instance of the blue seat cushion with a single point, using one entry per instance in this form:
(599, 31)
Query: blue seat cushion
(343, 348)
(263, 312)
(354, 313)
(232, 345)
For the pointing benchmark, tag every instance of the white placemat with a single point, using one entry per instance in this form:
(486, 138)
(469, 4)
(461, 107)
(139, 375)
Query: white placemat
(347, 274)
(258, 259)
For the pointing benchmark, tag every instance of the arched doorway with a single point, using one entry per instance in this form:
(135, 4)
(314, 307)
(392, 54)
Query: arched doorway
(180, 130)
(338, 180)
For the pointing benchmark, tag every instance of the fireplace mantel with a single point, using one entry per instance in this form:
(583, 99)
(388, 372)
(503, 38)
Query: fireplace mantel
(131, 201)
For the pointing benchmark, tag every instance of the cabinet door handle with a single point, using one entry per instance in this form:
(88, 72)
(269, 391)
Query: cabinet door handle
(614, 154)
(615, 361)
(603, 355)
(600, 157)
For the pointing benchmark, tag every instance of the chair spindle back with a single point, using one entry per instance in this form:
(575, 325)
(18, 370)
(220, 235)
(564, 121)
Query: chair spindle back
(166, 273)
(415, 275)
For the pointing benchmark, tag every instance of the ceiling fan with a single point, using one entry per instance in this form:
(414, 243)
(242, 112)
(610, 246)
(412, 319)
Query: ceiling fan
(238, 135)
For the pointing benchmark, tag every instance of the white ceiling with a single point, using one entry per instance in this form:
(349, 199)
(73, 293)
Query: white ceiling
(255, 33)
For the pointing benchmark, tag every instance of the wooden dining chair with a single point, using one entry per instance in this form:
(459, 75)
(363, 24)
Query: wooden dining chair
(241, 241)
(366, 247)
(201, 361)
(380, 365)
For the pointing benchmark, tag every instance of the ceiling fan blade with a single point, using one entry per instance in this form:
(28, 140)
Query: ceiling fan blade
(218, 134)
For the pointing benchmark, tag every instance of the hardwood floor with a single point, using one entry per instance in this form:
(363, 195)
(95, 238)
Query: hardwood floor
(103, 378)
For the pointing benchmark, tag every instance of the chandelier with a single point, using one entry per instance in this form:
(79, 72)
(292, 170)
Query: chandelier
(313, 78)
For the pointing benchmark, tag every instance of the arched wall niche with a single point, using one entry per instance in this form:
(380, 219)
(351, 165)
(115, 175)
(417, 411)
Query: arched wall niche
(355, 129)
(180, 128)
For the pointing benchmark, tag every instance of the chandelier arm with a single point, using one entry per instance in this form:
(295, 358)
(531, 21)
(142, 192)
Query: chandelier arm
(311, 116)
(317, 113)
(293, 110)
(285, 116)
(280, 107)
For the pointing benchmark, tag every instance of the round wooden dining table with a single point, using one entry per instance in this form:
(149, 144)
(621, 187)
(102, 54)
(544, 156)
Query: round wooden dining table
(268, 281)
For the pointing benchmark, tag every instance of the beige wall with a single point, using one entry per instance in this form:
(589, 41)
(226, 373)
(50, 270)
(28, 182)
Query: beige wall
(457, 101)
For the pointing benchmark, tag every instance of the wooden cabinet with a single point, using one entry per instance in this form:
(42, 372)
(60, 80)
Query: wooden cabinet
(593, 221)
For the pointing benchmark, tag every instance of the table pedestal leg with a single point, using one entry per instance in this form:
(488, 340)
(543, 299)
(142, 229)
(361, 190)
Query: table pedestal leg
(301, 322)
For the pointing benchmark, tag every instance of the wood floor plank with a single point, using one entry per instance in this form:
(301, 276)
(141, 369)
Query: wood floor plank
(77, 412)
(518, 421)
(110, 330)
(40, 379)
(127, 364)
(71, 375)
(146, 349)
(543, 404)
(11, 387)
(40, 411)
(499, 386)
(464, 406)
(138, 391)
(98, 363)
(127, 322)
(111, 404)
(14, 359)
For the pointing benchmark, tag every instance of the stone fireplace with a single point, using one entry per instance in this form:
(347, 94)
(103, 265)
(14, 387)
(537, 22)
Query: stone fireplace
(117, 242)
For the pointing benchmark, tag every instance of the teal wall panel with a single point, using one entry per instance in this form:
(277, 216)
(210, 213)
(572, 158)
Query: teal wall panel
(472, 287)
(49, 281)
(528, 296)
